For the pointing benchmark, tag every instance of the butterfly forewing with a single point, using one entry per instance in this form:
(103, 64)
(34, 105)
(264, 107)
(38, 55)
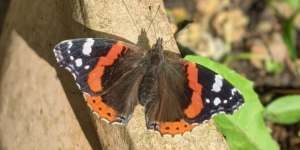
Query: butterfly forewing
(104, 69)
(217, 94)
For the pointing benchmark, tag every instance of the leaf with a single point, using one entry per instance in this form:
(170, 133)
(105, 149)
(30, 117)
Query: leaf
(293, 3)
(287, 36)
(274, 67)
(284, 110)
(299, 133)
(245, 129)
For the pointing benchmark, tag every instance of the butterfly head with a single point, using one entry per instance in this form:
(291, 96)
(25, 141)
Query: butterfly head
(158, 46)
(156, 53)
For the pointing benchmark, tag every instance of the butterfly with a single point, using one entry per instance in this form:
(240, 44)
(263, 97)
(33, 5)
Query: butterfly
(115, 77)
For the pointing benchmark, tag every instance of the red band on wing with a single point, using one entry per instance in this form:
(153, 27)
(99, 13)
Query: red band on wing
(116, 50)
(192, 72)
(94, 77)
(105, 61)
(103, 111)
(174, 128)
(196, 105)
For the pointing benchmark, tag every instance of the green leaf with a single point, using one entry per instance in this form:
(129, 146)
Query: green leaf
(274, 67)
(245, 129)
(299, 133)
(293, 3)
(288, 29)
(287, 36)
(284, 110)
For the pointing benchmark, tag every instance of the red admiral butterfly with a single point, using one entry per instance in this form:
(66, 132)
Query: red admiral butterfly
(115, 76)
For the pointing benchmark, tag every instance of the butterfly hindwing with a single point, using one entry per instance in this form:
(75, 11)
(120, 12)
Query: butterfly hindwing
(165, 114)
(189, 94)
(100, 67)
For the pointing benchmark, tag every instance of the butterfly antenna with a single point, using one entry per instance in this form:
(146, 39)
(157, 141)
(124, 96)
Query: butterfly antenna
(131, 16)
(153, 17)
(183, 26)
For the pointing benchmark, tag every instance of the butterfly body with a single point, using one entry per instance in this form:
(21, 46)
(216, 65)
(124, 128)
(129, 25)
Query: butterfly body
(116, 76)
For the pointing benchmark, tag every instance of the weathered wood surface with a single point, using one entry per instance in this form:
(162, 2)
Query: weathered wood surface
(40, 104)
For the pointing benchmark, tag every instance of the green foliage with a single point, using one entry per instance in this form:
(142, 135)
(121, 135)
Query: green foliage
(274, 67)
(284, 110)
(299, 133)
(245, 129)
(293, 3)
(240, 56)
(287, 36)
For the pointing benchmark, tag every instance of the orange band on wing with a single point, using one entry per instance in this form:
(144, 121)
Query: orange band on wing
(196, 104)
(192, 72)
(195, 107)
(104, 61)
(94, 77)
(195, 86)
(103, 111)
(174, 128)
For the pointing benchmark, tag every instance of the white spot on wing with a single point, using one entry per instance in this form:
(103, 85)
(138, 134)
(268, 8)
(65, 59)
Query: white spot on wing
(78, 86)
(218, 83)
(78, 62)
(207, 100)
(70, 44)
(195, 128)
(86, 67)
(186, 133)
(96, 114)
(167, 135)
(216, 88)
(195, 123)
(177, 135)
(233, 91)
(74, 77)
(241, 106)
(219, 77)
(69, 69)
(225, 101)
(90, 107)
(217, 101)
(104, 120)
(69, 51)
(87, 47)
(71, 57)
(221, 112)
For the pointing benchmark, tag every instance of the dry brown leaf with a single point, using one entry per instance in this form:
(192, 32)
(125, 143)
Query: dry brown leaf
(282, 8)
(202, 42)
(231, 24)
(297, 22)
(179, 13)
(210, 7)
(271, 47)
(256, 46)
(276, 46)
